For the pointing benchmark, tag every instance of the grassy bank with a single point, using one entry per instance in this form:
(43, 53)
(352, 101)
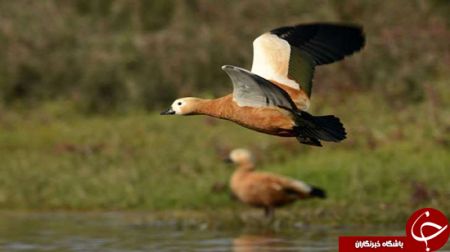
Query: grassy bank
(391, 164)
(78, 79)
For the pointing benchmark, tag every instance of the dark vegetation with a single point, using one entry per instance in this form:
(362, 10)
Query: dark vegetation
(111, 55)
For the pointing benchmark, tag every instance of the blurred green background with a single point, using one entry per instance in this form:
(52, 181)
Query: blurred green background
(81, 83)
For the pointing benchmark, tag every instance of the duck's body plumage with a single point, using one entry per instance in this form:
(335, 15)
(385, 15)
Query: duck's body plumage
(273, 97)
(273, 121)
(262, 189)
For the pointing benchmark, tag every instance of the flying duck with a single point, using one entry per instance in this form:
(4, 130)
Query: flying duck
(273, 97)
(263, 189)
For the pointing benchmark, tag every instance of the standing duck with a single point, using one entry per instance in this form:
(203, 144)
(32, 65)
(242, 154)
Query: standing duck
(263, 189)
(273, 96)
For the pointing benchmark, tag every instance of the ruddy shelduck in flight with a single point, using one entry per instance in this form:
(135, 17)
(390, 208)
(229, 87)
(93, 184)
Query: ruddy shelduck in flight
(273, 97)
(266, 190)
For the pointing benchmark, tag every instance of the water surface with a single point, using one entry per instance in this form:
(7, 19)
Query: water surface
(109, 232)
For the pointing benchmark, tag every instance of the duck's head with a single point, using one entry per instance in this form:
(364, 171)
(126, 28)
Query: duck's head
(241, 158)
(182, 106)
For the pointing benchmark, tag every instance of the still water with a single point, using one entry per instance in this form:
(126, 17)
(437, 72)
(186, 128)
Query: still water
(109, 232)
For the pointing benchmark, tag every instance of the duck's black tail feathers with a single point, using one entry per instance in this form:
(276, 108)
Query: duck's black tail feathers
(317, 192)
(311, 129)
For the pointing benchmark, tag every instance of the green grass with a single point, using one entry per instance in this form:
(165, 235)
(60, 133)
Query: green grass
(391, 164)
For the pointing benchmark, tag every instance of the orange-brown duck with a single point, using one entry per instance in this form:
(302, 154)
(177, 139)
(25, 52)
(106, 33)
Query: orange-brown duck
(273, 96)
(263, 189)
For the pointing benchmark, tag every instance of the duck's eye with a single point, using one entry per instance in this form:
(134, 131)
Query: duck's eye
(179, 103)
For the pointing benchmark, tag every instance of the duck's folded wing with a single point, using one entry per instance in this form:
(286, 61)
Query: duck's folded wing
(289, 186)
(252, 90)
(289, 54)
(302, 189)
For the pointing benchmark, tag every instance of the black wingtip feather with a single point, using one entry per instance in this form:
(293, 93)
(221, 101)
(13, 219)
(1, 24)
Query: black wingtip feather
(325, 42)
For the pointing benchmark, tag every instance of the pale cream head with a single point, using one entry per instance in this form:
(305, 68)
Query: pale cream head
(182, 106)
(241, 157)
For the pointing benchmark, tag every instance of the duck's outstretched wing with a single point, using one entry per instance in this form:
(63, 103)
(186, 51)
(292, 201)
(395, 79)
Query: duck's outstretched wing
(254, 91)
(288, 55)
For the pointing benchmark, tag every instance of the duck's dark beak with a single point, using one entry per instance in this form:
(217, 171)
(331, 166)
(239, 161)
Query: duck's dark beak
(168, 112)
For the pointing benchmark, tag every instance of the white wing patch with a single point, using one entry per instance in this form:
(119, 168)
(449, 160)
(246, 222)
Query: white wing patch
(271, 56)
